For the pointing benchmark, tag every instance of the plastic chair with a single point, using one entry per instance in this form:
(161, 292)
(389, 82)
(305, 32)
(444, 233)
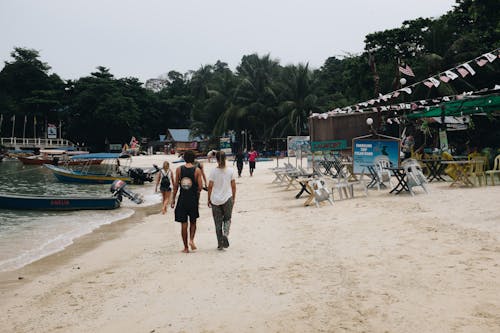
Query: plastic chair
(494, 171)
(321, 192)
(415, 177)
(382, 163)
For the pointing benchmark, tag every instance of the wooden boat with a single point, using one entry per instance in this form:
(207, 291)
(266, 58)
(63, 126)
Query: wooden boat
(36, 202)
(57, 157)
(82, 176)
(45, 202)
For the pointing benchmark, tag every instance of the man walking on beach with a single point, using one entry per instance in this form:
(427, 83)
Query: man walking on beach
(188, 177)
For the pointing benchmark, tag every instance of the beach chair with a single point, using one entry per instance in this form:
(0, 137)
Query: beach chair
(320, 192)
(415, 177)
(494, 171)
(381, 164)
(476, 169)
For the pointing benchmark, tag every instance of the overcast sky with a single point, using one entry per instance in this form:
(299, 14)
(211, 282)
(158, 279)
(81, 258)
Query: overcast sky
(147, 38)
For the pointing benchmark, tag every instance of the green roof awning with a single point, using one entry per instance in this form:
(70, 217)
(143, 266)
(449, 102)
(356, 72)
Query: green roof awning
(485, 104)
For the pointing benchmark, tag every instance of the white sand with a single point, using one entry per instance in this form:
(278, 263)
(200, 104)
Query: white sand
(384, 263)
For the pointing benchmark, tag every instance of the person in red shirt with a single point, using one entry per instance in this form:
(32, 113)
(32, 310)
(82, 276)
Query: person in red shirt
(251, 160)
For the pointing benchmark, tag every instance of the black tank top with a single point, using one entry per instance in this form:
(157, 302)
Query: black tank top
(188, 187)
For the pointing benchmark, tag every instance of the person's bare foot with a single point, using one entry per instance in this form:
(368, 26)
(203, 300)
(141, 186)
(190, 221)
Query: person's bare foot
(193, 247)
(186, 250)
(163, 210)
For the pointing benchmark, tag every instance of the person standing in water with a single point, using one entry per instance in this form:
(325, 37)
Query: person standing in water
(164, 180)
(221, 198)
(251, 160)
(188, 178)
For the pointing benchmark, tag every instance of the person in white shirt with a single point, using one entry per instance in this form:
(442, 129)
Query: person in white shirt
(221, 197)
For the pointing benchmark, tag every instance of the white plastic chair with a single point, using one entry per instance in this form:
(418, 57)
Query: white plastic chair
(381, 164)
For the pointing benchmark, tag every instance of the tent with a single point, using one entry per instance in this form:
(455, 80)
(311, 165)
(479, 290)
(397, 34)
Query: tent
(473, 105)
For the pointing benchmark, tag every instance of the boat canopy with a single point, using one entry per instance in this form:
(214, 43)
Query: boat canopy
(100, 156)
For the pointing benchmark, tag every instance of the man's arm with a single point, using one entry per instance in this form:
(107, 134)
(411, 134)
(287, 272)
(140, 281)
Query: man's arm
(176, 186)
(197, 177)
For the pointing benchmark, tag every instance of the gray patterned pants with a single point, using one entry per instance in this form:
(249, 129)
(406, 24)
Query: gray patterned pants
(222, 218)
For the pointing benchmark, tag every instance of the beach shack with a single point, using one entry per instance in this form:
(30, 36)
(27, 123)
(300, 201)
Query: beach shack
(182, 139)
(335, 132)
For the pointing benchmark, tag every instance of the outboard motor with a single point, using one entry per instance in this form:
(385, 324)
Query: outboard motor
(118, 189)
(139, 176)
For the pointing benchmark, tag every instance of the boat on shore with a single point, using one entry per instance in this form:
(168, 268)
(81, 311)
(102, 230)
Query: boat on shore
(42, 202)
(57, 157)
(114, 170)
(50, 202)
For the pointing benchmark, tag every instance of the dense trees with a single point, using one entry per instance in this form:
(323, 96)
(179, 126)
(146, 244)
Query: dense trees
(260, 96)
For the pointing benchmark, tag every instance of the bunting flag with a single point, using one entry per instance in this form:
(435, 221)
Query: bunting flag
(462, 71)
(428, 83)
(406, 70)
(444, 78)
(490, 56)
(481, 61)
(451, 75)
(406, 90)
(469, 69)
(395, 94)
(434, 82)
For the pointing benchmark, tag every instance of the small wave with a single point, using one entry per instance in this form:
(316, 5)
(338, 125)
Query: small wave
(81, 223)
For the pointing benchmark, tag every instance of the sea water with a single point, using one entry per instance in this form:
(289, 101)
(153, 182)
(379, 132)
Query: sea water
(26, 236)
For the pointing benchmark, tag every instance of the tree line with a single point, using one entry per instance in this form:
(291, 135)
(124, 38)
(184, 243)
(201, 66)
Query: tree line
(267, 99)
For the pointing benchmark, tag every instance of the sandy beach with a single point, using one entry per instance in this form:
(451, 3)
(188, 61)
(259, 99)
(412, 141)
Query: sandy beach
(382, 263)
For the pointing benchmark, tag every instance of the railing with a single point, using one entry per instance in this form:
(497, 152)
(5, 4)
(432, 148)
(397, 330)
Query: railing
(35, 142)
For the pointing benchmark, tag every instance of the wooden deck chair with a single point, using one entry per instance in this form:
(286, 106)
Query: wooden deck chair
(494, 171)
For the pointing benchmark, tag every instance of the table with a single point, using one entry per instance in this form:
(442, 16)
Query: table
(436, 168)
(462, 172)
(374, 179)
(304, 183)
(402, 185)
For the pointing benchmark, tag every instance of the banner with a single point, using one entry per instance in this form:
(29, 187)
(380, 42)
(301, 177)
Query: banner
(51, 131)
(225, 145)
(365, 151)
(297, 144)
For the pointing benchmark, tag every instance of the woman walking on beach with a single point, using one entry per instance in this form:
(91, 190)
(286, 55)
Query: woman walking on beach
(164, 179)
(221, 197)
(251, 160)
(188, 178)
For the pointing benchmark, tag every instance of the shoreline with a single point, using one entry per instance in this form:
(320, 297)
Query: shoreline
(81, 245)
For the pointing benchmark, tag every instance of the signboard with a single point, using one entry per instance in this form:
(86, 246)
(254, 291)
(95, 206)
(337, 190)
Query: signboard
(328, 145)
(51, 132)
(225, 145)
(366, 150)
(297, 144)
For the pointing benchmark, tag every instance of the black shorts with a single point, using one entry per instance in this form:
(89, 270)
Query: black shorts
(252, 165)
(183, 211)
(165, 189)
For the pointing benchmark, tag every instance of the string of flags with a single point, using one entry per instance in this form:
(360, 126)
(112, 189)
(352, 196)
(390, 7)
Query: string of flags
(446, 76)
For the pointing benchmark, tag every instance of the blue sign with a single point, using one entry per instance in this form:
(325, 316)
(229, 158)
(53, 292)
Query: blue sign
(365, 152)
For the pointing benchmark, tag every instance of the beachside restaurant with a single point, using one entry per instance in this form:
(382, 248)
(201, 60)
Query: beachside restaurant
(467, 141)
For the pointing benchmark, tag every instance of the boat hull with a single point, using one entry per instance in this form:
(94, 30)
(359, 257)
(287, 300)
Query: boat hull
(41, 161)
(22, 202)
(71, 176)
